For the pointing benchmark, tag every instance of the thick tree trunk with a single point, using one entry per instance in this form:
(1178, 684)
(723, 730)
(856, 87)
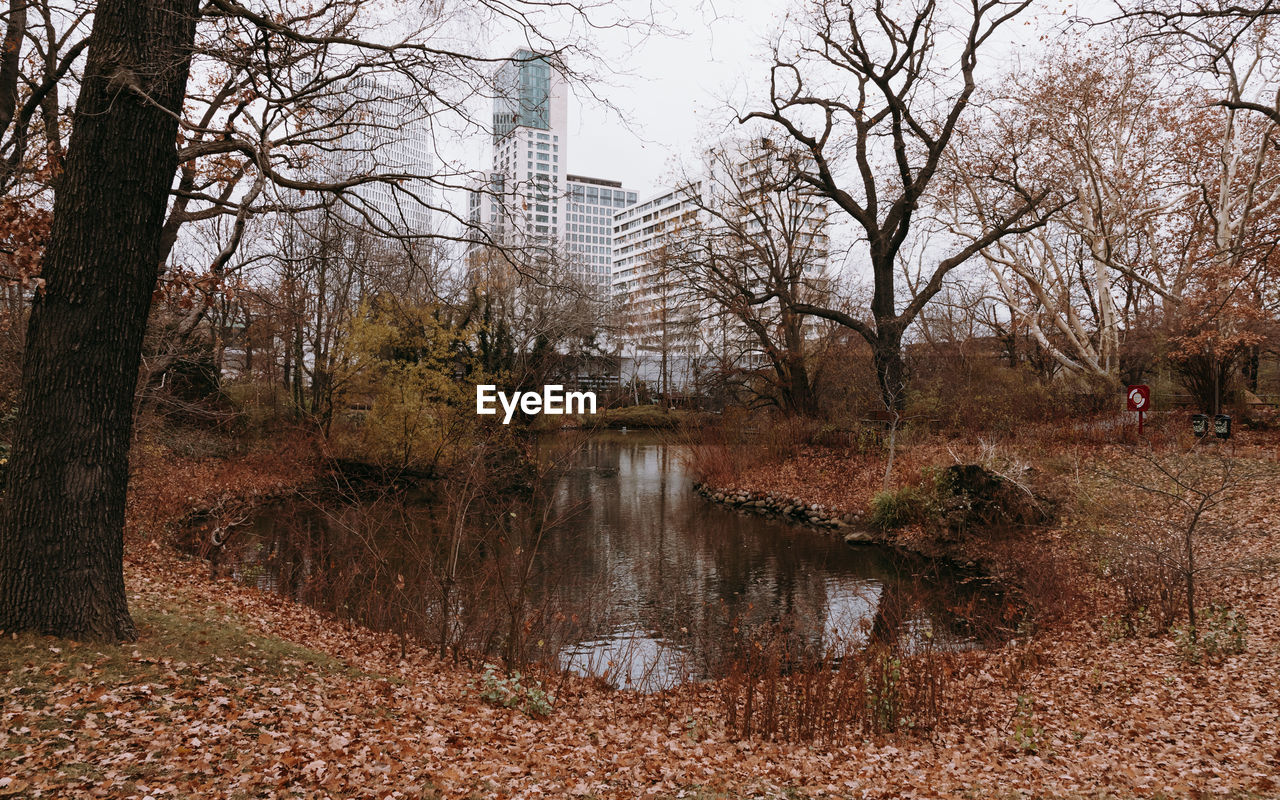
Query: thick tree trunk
(61, 534)
(890, 370)
(798, 387)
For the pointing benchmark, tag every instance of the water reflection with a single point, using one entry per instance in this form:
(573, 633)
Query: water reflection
(644, 583)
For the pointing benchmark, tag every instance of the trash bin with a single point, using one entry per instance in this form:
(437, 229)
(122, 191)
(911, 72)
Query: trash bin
(1222, 426)
(1200, 424)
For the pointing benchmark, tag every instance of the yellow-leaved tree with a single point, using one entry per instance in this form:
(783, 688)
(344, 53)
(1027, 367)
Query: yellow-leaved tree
(409, 385)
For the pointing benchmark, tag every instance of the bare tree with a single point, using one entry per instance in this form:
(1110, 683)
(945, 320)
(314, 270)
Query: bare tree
(1180, 500)
(760, 250)
(540, 311)
(1229, 51)
(872, 88)
(1107, 131)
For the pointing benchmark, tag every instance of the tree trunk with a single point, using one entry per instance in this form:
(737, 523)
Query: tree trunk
(1252, 362)
(890, 371)
(61, 534)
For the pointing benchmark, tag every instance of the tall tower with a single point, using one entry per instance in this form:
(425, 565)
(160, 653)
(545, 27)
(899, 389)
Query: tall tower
(528, 198)
(530, 147)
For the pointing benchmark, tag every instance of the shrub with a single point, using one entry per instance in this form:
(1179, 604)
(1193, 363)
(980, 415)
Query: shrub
(973, 496)
(980, 396)
(642, 416)
(884, 689)
(1221, 632)
(895, 508)
(776, 686)
(1028, 737)
(510, 692)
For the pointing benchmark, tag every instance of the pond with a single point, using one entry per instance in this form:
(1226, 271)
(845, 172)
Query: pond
(624, 572)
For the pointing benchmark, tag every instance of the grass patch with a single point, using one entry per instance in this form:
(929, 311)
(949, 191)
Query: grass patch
(895, 508)
(648, 416)
(207, 641)
(642, 416)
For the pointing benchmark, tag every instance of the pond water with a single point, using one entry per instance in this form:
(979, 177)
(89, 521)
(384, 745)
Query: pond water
(632, 576)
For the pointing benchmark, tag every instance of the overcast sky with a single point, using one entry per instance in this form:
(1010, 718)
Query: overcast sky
(671, 90)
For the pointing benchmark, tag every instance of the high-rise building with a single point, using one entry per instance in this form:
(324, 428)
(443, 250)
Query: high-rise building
(589, 220)
(659, 315)
(668, 325)
(528, 199)
(526, 86)
(376, 132)
(530, 148)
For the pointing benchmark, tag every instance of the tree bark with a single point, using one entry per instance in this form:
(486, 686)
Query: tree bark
(890, 370)
(11, 61)
(61, 533)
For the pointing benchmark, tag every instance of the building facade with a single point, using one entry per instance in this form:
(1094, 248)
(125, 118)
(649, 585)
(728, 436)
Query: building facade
(675, 335)
(379, 131)
(659, 316)
(590, 206)
(520, 202)
(528, 199)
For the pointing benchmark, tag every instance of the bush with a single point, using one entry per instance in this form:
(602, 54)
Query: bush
(973, 496)
(895, 508)
(980, 396)
(510, 692)
(1221, 632)
(643, 416)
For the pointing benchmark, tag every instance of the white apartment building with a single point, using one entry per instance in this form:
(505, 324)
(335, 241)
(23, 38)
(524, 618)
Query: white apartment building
(669, 330)
(659, 316)
(590, 206)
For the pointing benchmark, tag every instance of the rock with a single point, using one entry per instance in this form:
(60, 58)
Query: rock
(859, 536)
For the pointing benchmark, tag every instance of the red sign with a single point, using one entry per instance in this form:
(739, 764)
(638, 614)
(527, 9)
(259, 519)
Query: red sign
(1139, 397)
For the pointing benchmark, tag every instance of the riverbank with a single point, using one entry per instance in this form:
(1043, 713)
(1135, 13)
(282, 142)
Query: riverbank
(233, 692)
(638, 417)
(189, 473)
(236, 693)
(1081, 487)
(848, 524)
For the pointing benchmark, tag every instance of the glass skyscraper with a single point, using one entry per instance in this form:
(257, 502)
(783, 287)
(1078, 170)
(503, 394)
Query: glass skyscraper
(523, 94)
